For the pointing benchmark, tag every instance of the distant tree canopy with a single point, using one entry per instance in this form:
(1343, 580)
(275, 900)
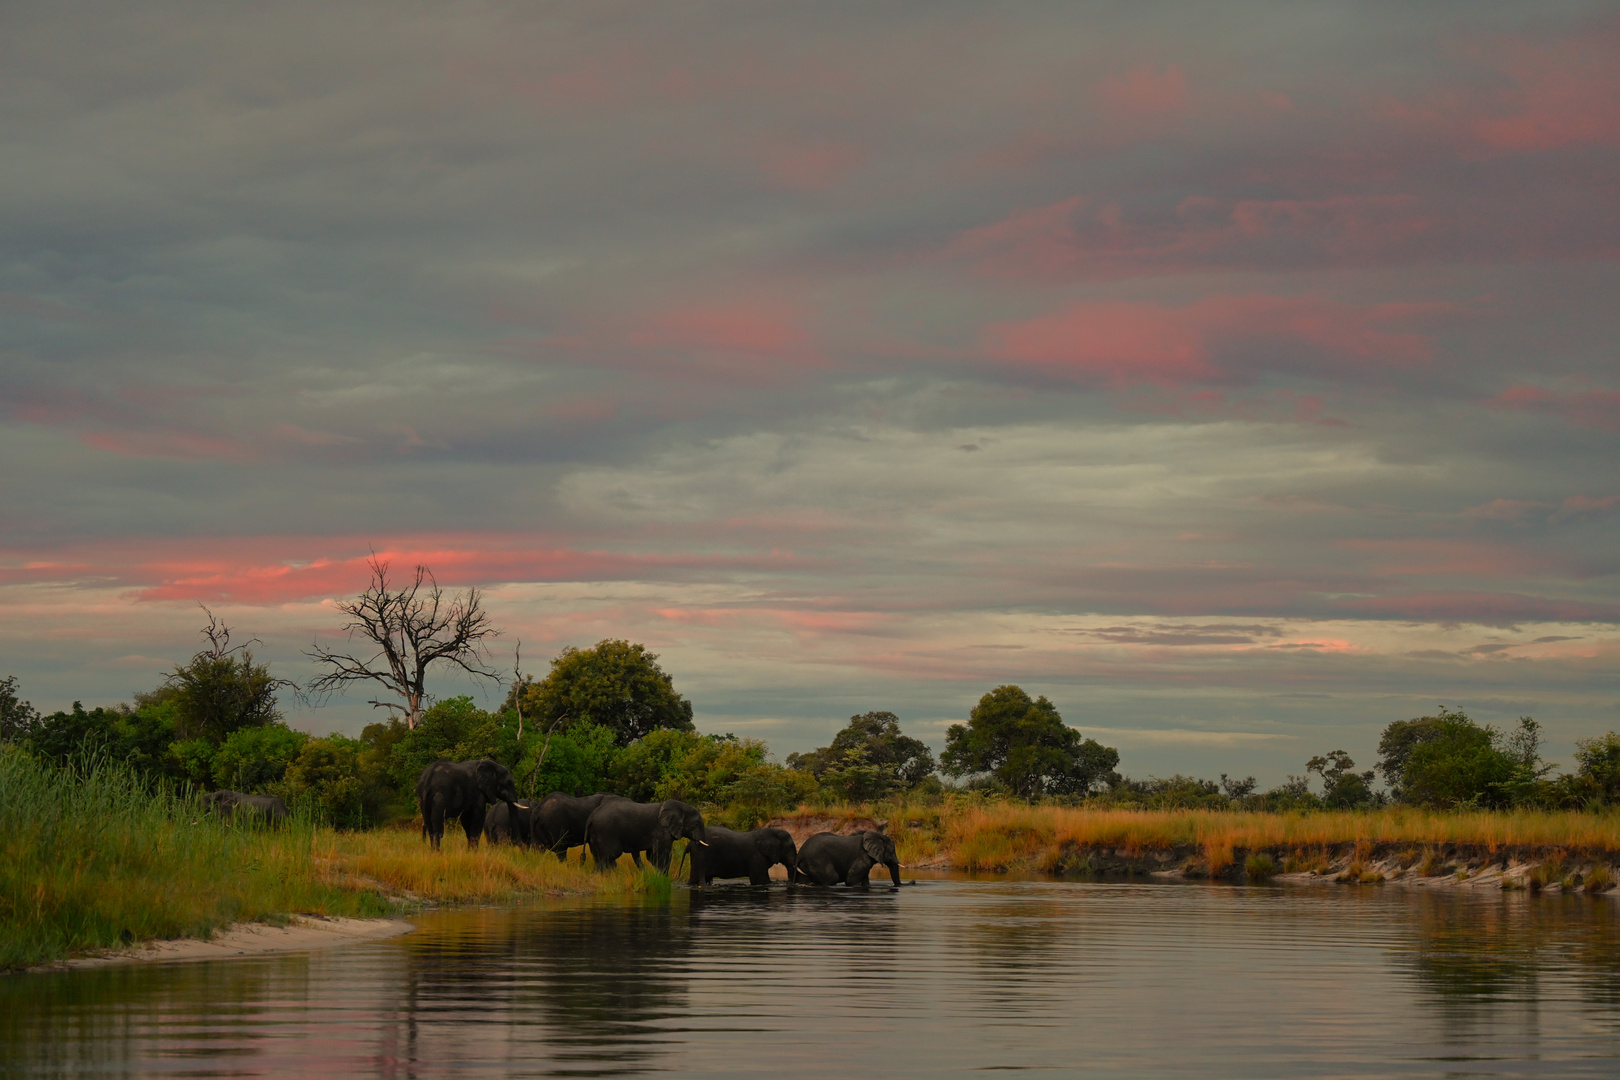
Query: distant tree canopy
(17, 717)
(614, 684)
(1026, 745)
(868, 758)
(1449, 760)
(1343, 787)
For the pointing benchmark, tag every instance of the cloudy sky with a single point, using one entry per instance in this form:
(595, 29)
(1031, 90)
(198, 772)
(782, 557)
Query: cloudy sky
(1241, 376)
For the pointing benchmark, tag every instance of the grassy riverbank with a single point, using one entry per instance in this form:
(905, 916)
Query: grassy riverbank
(974, 835)
(94, 860)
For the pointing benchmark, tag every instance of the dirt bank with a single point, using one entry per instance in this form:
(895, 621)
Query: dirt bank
(302, 933)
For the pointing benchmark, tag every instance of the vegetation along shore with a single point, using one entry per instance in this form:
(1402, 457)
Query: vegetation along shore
(105, 839)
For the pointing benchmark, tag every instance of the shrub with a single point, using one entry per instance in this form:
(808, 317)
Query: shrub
(252, 759)
(1259, 866)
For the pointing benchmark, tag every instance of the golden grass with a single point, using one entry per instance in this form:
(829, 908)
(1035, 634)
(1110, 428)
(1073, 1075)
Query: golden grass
(399, 863)
(974, 835)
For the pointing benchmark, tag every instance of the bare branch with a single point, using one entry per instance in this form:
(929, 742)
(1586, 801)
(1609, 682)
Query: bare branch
(412, 628)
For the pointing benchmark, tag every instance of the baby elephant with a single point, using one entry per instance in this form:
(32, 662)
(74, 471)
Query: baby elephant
(230, 803)
(827, 858)
(732, 854)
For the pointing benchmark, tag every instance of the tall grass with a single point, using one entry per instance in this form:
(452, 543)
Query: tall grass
(398, 862)
(92, 858)
(975, 835)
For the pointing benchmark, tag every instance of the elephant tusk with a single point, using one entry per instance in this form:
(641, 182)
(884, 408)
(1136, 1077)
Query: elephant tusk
(705, 843)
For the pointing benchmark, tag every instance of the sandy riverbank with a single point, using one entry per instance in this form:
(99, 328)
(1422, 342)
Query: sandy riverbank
(302, 933)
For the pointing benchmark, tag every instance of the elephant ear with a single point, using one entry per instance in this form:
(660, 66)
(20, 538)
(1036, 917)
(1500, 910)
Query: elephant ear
(873, 844)
(669, 818)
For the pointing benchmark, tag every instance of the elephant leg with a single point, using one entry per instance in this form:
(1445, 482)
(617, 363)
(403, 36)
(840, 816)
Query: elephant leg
(859, 873)
(472, 823)
(636, 857)
(434, 825)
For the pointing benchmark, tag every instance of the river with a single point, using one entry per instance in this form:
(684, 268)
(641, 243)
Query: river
(952, 976)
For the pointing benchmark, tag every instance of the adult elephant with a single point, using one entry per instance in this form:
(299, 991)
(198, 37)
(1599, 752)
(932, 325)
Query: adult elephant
(559, 821)
(827, 858)
(620, 825)
(231, 803)
(733, 854)
(510, 822)
(449, 789)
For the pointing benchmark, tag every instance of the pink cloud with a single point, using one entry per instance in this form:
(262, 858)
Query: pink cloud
(1578, 505)
(1075, 239)
(167, 443)
(1117, 343)
(1589, 408)
(1483, 608)
(1145, 94)
(818, 167)
(1541, 95)
(1423, 556)
(276, 570)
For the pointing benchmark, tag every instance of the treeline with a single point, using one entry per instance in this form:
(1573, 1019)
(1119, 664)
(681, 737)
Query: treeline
(608, 718)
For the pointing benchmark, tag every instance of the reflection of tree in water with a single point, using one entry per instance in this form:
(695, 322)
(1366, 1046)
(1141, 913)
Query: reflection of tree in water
(587, 985)
(1480, 956)
(108, 1019)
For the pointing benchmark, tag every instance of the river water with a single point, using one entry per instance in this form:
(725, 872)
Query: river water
(951, 976)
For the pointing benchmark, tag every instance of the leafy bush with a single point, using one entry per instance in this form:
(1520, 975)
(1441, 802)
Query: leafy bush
(872, 741)
(252, 759)
(326, 777)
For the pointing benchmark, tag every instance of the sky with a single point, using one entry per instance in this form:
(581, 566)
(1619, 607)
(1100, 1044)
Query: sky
(1242, 377)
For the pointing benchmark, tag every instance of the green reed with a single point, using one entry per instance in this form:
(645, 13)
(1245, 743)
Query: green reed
(93, 857)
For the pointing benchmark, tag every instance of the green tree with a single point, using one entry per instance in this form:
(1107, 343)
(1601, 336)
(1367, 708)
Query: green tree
(1343, 787)
(1598, 766)
(615, 684)
(326, 776)
(879, 742)
(252, 759)
(1449, 760)
(219, 691)
(17, 718)
(1026, 745)
(139, 737)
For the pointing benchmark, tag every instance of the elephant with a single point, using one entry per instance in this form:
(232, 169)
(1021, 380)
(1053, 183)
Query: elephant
(732, 854)
(559, 821)
(229, 803)
(460, 789)
(827, 858)
(510, 821)
(620, 825)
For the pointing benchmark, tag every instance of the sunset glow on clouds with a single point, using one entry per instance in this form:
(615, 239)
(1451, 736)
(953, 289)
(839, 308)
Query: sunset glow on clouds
(1243, 379)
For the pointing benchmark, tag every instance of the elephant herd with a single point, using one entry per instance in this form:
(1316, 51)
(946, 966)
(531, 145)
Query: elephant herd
(612, 826)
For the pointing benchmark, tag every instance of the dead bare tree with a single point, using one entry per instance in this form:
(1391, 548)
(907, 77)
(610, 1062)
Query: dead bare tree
(413, 628)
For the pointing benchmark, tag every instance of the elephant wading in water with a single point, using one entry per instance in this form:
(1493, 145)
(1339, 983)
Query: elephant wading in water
(232, 803)
(620, 826)
(559, 821)
(510, 822)
(827, 858)
(732, 854)
(450, 789)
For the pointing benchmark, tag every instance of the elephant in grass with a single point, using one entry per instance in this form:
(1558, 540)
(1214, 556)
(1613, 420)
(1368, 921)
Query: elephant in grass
(231, 803)
(827, 858)
(510, 822)
(448, 789)
(732, 854)
(559, 821)
(619, 825)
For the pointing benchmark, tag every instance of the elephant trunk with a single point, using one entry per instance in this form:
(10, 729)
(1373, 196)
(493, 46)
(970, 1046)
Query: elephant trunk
(894, 872)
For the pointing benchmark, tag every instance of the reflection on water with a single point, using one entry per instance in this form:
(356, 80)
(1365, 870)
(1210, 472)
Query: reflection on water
(950, 976)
